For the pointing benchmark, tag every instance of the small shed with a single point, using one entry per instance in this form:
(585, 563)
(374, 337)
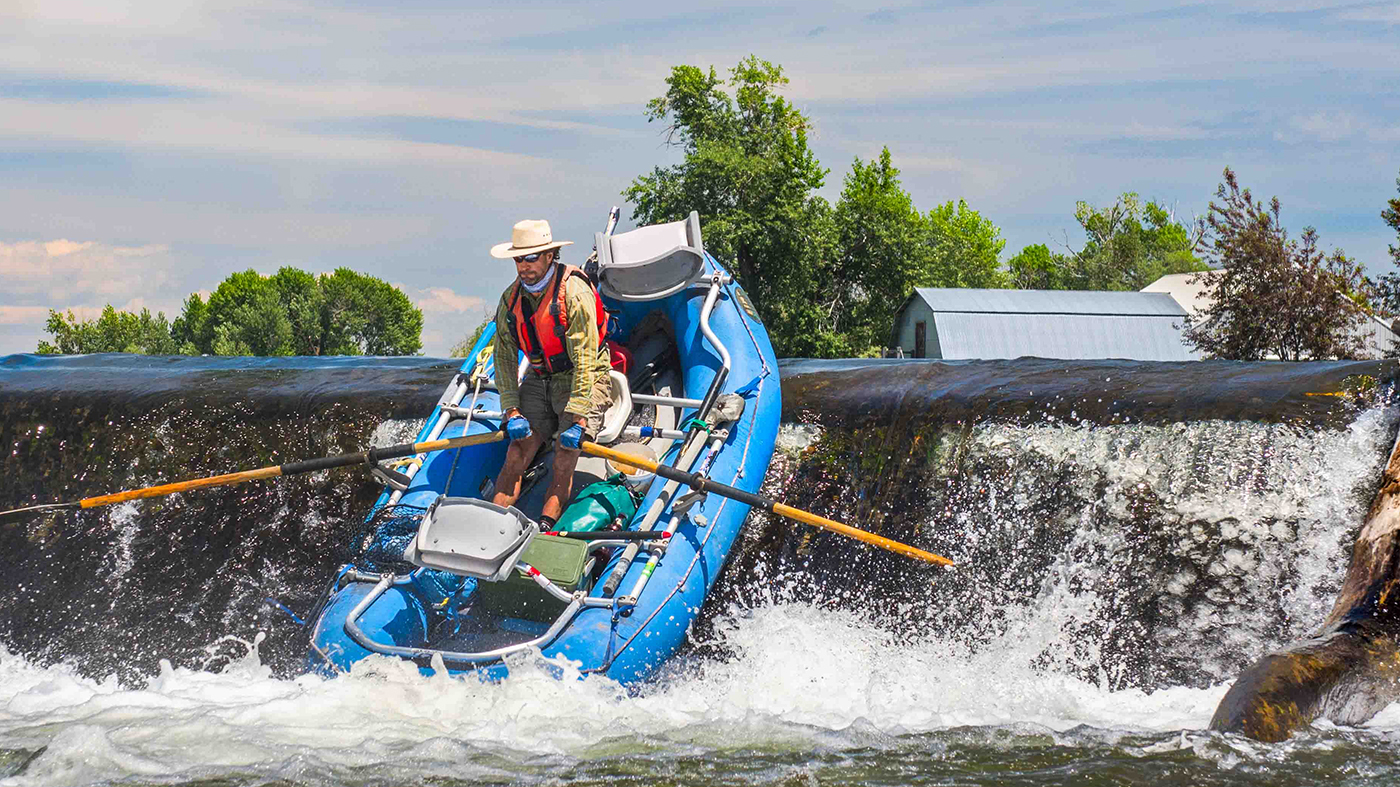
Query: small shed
(1072, 324)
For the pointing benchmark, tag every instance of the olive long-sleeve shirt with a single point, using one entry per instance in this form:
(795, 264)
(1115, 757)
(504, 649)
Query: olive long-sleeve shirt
(591, 360)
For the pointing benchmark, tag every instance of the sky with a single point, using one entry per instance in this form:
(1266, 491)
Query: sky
(149, 149)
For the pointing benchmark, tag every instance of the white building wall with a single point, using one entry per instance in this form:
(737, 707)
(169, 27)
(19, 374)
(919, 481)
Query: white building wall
(1187, 289)
(1379, 335)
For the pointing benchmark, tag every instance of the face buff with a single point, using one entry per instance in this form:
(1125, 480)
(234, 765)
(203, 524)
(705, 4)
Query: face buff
(536, 289)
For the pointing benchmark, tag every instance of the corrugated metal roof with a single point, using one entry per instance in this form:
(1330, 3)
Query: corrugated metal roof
(1050, 302)
(965, 335)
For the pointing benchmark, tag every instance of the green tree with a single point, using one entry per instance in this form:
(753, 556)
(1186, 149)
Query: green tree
(289, 313)
(112, 332)
(1387, 287)
(1131, 244)
(189, 325)
(243, 316)
(363, 315)
(302, 298)
(460, 349)
(1275, 297)
(965, 248)
(1037, 268)
(825, 279)
(880, 256)
(748, 170)
(1391, 216)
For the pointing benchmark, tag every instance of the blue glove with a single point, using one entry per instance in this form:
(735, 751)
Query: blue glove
(517, 427)
(572, 437)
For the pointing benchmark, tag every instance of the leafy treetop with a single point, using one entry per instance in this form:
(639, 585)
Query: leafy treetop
(112, 332)
(1387, 287)
(826, 280)
(748, 170)
(1275, 296)
(289, 313)
(1131, 244)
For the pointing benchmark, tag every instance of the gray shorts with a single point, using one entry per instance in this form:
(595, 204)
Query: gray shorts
(542, 402)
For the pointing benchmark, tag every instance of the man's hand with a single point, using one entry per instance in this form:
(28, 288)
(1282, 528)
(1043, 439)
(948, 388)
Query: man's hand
(517, 427)
(572, 437)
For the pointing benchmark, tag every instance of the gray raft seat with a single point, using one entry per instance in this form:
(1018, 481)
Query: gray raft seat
(472, 538)
(650, 263)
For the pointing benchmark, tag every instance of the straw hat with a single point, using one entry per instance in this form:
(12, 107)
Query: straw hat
(527, 237)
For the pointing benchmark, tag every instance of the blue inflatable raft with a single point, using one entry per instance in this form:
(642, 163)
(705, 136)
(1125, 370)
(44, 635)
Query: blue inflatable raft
(446, 579)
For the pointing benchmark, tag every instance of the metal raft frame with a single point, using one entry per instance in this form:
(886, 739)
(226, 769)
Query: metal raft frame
(577, 601)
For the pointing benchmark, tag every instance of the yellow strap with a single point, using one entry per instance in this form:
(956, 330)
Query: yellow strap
(479, 371)
(416, 461)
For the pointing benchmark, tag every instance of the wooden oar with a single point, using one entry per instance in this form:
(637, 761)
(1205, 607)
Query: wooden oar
(369, 457)
(702, 484)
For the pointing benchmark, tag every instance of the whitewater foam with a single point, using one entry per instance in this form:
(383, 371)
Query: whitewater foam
(800, 677)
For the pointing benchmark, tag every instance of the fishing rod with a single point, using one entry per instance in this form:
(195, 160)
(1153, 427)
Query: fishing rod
(702, 484)
(371, 457)
(590, 265)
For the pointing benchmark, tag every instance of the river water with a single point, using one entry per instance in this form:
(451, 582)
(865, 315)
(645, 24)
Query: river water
(1129, 536)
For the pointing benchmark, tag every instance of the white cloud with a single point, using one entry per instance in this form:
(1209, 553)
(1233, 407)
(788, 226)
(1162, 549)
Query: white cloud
(1388, 14)
(437, 300)
(1336, 126)
(80, 277)
(249, 130)
(1326, 126)
(464, 63)
(23, 315)
(985, 174)
(63, 270)
(448, 317)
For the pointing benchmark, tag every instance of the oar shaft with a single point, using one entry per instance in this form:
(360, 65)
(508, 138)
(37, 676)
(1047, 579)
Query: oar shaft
(427, 446)
(295, 468)
(814, 520)
(227, 479)
(388, 452)
(700, 483)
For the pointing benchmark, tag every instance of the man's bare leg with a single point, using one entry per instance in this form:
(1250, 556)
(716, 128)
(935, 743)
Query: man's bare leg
(562, 484)
(518, 458)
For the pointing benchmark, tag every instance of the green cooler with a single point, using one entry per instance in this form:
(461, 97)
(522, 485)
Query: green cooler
(560, 559)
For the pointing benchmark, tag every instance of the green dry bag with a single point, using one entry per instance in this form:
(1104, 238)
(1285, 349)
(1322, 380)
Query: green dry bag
(598, 504)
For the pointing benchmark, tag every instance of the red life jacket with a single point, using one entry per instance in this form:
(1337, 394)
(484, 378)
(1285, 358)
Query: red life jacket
(540, 332)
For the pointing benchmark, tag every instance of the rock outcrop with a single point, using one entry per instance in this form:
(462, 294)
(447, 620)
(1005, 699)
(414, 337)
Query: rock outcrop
(1350, 670)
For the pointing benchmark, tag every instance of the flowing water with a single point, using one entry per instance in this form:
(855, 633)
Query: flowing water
(1129, 536)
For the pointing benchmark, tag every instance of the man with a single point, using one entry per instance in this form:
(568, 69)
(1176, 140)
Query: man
(554, 314)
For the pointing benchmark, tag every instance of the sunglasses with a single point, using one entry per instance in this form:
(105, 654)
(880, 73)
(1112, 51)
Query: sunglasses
(531, 257)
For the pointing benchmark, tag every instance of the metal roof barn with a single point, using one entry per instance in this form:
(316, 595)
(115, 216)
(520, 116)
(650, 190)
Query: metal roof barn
(957, 324)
